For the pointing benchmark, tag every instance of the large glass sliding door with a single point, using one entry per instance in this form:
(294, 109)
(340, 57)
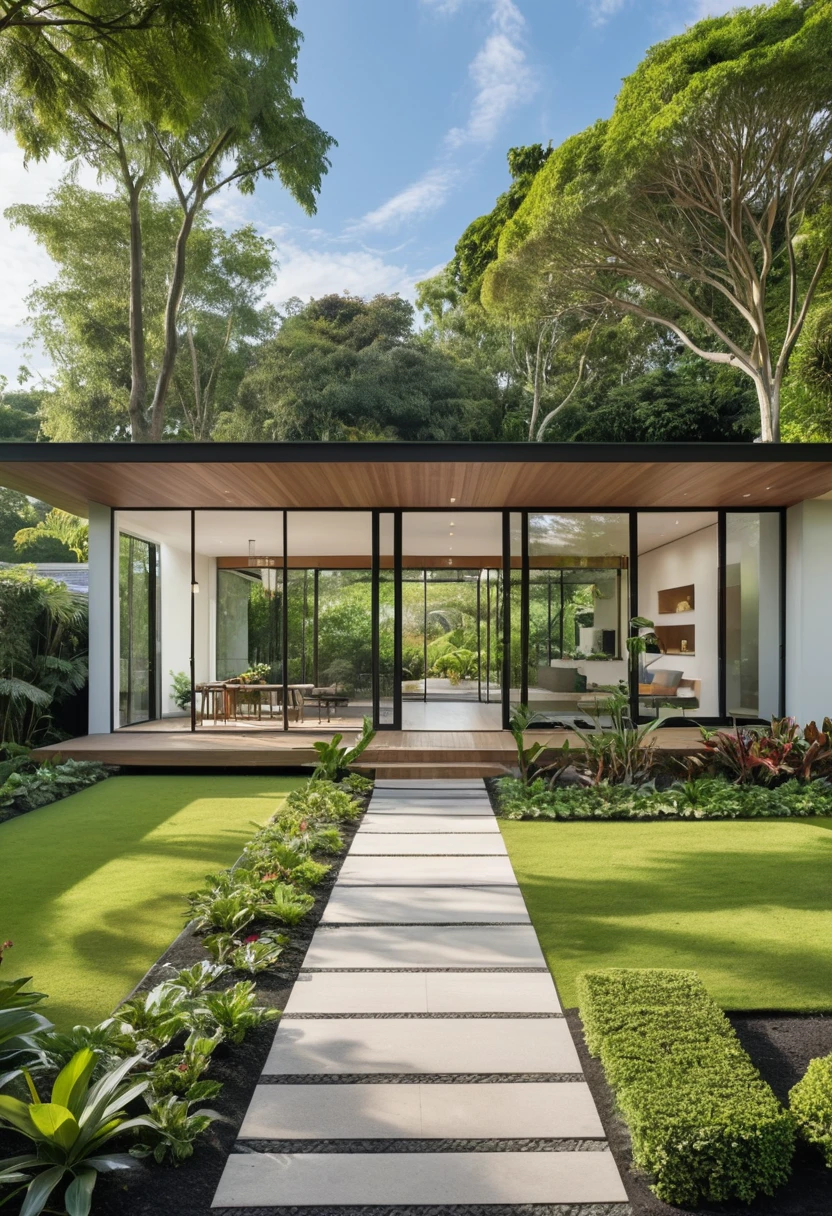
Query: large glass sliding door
(292, 620)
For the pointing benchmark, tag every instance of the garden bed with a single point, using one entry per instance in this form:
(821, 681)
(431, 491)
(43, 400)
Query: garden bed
(780, 1047)
(187, 1190)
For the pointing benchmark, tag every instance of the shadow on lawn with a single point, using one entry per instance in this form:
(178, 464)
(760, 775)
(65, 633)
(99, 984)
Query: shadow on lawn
(620, 918)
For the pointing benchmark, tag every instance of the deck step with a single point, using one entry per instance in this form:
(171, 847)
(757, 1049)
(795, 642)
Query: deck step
(438, 769)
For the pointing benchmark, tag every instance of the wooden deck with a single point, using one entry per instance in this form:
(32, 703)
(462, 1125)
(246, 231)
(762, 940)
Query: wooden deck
(392, 753)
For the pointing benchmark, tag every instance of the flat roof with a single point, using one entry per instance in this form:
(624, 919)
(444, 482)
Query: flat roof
(574, 476)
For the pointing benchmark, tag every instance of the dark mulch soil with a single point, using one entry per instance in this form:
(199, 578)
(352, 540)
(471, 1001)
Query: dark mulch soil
(162, 1190)
(781, 1046)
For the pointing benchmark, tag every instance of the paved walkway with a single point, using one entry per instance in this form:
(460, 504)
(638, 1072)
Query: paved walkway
(423, 1059)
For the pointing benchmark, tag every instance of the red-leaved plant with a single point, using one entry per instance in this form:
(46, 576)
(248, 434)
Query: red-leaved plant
(762, 756)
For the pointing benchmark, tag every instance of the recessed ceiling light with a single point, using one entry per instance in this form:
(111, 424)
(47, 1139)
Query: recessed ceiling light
(746, 495)
(453, 500)
(769, 487)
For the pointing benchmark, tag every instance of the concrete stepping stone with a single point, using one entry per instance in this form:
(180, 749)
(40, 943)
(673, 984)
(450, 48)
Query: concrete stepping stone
(425, 824)
(387, 1179)
(442, 844)
(426, 871)
(424, 905)
(498, 1111)
(423, 992)
(448, 784)
(324, 1046)
(422, 806)
(425, 946)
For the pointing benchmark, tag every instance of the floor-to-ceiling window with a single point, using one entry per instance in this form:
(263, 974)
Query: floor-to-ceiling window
(138, 583)
(753, 646)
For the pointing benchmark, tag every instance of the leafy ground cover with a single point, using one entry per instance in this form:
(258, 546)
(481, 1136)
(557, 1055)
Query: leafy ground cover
(704, 1124)
(743, 903)
(93, 886)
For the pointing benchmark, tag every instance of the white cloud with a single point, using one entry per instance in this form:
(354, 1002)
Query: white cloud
(417, 200)
(502, 80)
(311, 271)
(602, 10)
(712, 8)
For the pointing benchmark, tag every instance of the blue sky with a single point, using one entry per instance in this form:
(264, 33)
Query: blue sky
(424, 98)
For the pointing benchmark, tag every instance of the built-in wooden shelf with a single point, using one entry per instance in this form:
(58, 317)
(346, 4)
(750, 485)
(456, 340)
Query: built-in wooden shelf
(672, 597)
(671, 638)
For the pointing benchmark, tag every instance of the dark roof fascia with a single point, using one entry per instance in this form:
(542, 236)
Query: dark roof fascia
(415, 453)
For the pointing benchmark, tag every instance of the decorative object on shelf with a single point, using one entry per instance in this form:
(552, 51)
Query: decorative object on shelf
(677, 599)
(677, 639)
(683, 645)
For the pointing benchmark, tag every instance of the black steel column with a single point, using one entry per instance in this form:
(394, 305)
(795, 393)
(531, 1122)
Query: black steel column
(374, 609)
(782, 593)
(284, 623)
(193, 616)
(722, 614)
(397, 620)
(506, 597)
(524, 608)
(633, 662)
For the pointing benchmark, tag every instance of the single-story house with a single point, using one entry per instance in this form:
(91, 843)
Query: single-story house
(301, 586)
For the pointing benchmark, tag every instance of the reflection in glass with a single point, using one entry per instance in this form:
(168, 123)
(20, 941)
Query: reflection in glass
(752, 614)
(138, 566)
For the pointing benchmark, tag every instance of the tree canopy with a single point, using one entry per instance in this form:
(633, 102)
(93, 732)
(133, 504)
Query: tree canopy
(690, 207)
(344, 368)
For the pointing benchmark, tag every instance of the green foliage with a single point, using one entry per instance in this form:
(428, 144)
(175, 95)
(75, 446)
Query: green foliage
(21, 1028)
(70, 1132)
(703, 1123)
(180, 1074)
(154, 1017)
(334, 761)
(43, 636)
(234, 1012)
(344, 368)
(763, 755)
(356, 784)
(25, 791)
(324, 801)
(253, 954)
(229, 913)
(180, 689)
(111, 1040)
(810, 1102)
(288, 905)
(527, 757)
(58, 525)
(704, 798)
(457, 663)
(174, 1129)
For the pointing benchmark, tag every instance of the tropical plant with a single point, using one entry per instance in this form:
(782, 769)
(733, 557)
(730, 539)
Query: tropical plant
(70, 1131)
(230, 913)
(288, 905)
(323, 801)
(20, 1027)
(25, 791)
(180, 688)
(521, 719)
(61, 526)
(620, 753)
(43, 633)
(181, 1074)
(194, 980)
(357, 784)
(754, 754)
(174, 1128)
(156, 1016)
(111, 1040)
(457, 664)
(234, 1012)
(252, 954)
(334, 761)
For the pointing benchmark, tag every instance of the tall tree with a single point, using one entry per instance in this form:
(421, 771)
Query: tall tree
(344, 368)
(83, 318)
(689, 207)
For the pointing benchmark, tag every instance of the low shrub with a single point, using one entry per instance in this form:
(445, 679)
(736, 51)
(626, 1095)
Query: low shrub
(703, 798)
(811, 1104)
(324, 802)
(26, 791)
(703, 1122)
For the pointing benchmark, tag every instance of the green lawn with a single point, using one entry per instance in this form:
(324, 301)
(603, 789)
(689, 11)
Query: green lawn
(746, 904)
(92, 887)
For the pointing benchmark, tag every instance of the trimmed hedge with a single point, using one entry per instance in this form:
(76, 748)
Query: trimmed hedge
(703, 1122)
(704, 798)
(811, 1104)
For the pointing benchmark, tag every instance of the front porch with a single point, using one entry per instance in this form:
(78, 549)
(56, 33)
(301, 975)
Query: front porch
(409, 753)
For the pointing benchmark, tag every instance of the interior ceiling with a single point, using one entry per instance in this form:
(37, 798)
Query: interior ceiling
(662, 527)
(387, 476)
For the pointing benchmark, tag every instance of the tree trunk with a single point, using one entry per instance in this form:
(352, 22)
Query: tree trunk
(177, 284)
(138, 358)
(768, 396)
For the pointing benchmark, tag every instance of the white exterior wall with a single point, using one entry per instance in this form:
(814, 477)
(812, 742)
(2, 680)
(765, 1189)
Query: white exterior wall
(808, 603)
(690, 559)
(101, 616)
(175, 578)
